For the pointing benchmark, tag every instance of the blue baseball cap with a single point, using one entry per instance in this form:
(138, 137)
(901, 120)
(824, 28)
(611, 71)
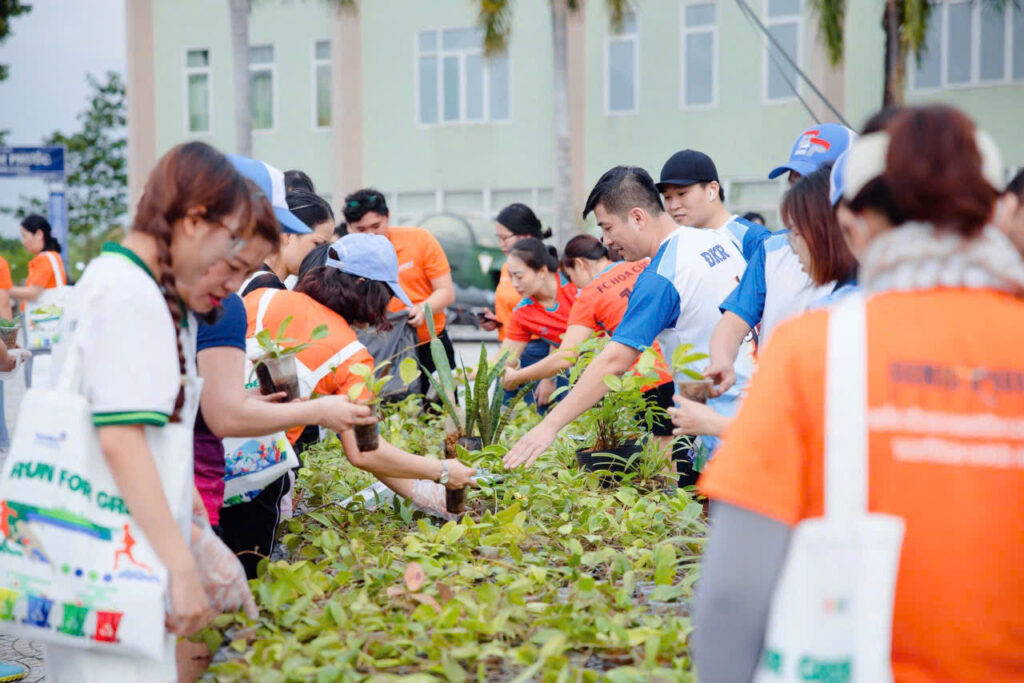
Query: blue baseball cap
(837, 180)
(271, 182)
(371, 257)
(821, 144)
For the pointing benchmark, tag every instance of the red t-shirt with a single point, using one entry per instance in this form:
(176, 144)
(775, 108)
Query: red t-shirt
(530, 319)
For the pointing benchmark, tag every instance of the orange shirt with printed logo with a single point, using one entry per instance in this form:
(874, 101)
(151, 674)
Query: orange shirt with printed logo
(946, 417)
(602, 303)
(420, 260)
(323, 365)
(41, 273)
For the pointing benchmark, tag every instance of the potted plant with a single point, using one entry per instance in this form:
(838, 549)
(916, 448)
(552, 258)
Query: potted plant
(695, 387)
(613, 428)
(373, 382)
(483, 418)
(276, 369)
(9, 332)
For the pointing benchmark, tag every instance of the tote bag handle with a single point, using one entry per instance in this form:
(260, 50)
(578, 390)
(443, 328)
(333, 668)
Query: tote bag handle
(846, 400)
(57, 273)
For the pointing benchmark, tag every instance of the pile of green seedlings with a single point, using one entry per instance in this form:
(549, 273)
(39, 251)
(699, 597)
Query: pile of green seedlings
(553, 574)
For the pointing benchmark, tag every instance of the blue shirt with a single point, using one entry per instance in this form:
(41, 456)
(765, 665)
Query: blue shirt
(773, 287)
(675, 301)
(229, 330)
(746, 235)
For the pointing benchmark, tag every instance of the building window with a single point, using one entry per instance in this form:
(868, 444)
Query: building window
(197, 87)
(783, 20)
(322, 84)
(699, 54)
(456, 83)
(622, 68)
(971, 43)
(261, 86)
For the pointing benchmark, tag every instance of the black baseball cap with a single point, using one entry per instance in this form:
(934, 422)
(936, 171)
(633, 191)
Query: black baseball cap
(687, 167)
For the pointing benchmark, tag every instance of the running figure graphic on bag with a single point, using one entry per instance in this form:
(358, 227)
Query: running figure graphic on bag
(129, 543)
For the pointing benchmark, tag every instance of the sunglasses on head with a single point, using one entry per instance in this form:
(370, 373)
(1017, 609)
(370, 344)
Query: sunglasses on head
(366, 203)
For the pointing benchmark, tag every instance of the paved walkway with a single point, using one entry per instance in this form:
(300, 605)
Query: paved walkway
(13, 650)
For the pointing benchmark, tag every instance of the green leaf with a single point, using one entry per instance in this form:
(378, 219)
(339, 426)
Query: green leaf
(361, 370)
(408, 370)
(283, 327)
(613, 382)
(664, 564)
(319, 332)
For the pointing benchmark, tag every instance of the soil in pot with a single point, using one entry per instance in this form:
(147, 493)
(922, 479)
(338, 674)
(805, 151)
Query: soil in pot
(278, 374)
(9, 335)
(698, 390)
(456, 498)
(368, 436)
(614, 460)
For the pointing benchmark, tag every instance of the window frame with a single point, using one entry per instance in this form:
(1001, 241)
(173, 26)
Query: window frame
(199, 70)
(685, 31)
(768, 46)
(272, 68)
(975, 81)
(610, 39)
(318, 63)
(439, 53)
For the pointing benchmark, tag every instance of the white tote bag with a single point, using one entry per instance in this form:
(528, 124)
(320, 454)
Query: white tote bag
(43, 316)
(831, 615)
(75, 568)
(253, 463)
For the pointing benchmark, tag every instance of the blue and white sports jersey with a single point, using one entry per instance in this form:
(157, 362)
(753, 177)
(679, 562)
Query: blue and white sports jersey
(773, 288)
(675, 301)
(839, 291)
(746, 235)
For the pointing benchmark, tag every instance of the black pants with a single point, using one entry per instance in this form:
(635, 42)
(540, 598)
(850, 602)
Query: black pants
(249, 529)
(426, 360)
(681, 455)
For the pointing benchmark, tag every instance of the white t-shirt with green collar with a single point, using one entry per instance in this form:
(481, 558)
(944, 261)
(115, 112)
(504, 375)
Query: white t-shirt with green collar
(118, 316)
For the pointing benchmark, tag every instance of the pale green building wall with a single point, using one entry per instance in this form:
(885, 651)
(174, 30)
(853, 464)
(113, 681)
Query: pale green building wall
(292, 28)
(460, 163)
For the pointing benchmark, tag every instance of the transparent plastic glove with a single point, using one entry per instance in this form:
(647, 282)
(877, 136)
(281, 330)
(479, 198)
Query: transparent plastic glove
(221, 573)
(429, 497)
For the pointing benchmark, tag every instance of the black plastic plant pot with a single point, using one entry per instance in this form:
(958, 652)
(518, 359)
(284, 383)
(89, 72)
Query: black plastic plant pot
(455, 499)
(698, 390)
(9, 335)
(278, 374)
(368, 436)
(614, 460)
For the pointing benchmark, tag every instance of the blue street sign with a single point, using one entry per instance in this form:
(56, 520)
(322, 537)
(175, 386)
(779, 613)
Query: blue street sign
(43, 161)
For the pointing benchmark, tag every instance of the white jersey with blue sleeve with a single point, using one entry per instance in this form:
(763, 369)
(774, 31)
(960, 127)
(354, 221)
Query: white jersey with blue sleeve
(675, 301)
(773, 288)
(746, 235)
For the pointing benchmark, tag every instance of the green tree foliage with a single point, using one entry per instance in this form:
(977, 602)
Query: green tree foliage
(97, 179)
(8, 10)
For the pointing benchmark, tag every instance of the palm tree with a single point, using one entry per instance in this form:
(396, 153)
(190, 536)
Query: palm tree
(238, 13)
(495, 18)
(905, 23)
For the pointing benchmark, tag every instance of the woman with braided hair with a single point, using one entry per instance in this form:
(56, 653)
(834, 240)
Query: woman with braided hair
(132, 330)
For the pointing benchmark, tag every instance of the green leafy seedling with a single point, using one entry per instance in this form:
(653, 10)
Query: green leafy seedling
(683, 357)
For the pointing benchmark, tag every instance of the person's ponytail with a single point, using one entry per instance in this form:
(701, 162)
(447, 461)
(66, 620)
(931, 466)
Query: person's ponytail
(190, 175)
(535, 254)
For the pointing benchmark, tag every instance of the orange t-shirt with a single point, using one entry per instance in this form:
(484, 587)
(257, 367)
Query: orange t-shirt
(602, 303)
(5, 274)
(946, 417)
(506, 298)
(331, 356)
(40, 271)
(420, 260)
